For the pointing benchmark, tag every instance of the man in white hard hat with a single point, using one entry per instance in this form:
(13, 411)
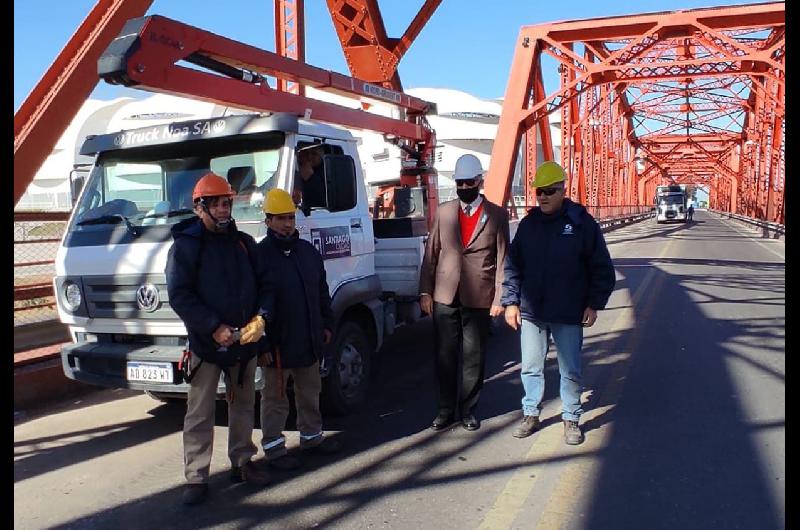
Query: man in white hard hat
(460, 286)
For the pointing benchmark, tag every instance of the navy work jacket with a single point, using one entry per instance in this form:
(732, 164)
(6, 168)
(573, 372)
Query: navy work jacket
(215, 279)
(557, 266)
(302, 301)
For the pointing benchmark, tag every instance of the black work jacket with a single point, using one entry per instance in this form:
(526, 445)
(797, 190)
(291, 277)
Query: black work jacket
(557, 266)
(302, 301)
(215, 279)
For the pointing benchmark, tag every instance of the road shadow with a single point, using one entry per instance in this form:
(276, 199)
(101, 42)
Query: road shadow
(681, 454)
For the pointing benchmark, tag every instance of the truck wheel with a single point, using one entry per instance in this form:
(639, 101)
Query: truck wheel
(345, 388)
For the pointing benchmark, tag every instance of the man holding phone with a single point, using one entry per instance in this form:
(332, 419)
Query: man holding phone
(558, 274)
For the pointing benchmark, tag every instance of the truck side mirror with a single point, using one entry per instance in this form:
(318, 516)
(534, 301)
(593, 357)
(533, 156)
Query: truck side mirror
(340, 182)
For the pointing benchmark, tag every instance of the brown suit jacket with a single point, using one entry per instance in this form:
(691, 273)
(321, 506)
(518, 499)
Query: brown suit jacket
(475, 272)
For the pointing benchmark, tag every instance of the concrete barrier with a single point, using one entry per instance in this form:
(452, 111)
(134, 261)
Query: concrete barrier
(29, 336)
(44, 382)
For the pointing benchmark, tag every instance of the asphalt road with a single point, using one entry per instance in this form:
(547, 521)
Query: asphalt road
(685, 423)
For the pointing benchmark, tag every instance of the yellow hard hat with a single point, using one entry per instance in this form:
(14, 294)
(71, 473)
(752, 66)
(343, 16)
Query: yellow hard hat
(279, 202)
(548, 173)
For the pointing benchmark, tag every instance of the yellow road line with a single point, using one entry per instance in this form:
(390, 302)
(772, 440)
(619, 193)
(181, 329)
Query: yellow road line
(562, 500)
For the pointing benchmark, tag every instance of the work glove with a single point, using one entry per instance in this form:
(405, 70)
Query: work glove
(253, 331)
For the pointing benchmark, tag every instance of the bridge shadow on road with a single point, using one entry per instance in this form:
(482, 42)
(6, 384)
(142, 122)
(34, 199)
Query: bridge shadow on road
(682, 452)
(397, 416)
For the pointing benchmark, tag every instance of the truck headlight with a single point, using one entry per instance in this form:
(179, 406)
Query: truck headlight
(72, 296)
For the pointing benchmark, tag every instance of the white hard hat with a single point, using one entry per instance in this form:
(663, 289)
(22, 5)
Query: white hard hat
(468, 167)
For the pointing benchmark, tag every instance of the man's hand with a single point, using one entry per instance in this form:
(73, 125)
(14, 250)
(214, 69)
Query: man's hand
(589, 317)
(253, 330)
(426, 304)
(326, 336)
(513, 317)
(224, 335)
(265, 359)
(496, 311)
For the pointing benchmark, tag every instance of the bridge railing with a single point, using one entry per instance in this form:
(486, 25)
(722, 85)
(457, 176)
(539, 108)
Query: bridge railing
(608, 214)
(38, 234)
(36, 239)
(768, 230)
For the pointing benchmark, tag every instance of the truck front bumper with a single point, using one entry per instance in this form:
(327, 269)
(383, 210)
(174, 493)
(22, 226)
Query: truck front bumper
(105, 364)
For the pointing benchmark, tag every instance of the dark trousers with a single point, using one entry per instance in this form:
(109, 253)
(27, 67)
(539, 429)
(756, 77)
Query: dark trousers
(461, 335)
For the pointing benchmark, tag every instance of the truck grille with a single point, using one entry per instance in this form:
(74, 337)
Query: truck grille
(116, 297)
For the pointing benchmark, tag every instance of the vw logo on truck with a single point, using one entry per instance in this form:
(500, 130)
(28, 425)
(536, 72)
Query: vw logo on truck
(147, 297)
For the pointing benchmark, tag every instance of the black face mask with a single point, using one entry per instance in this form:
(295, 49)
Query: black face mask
(468, 195)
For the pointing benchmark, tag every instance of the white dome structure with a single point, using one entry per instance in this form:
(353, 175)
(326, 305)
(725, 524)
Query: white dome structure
(463, 124)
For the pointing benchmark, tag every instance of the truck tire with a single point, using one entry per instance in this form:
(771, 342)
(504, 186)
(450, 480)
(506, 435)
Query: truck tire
(345, 388)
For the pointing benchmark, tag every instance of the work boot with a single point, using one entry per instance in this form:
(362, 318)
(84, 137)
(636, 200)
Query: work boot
(327, 446)
(250, 474)
(194, 493)
(572, 433)
(284, 463)
(527, 426)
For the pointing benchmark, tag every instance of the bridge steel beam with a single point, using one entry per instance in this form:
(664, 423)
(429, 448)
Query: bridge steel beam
(47, 111)
(653, 99)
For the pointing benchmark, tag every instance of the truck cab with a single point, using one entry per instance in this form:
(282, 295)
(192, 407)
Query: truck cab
(110, 284)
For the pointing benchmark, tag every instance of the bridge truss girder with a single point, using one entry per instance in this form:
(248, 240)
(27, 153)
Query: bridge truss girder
(692, 97)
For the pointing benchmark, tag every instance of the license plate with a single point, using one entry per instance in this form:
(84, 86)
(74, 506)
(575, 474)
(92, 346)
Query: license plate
(150, 372)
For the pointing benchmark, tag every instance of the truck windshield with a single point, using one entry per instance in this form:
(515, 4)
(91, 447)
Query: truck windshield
(671, 200)
(137, 189)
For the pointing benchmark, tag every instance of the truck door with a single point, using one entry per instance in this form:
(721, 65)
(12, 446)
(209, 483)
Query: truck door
(333, 215)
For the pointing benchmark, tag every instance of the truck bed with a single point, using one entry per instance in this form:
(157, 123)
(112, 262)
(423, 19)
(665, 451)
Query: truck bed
(397, 264)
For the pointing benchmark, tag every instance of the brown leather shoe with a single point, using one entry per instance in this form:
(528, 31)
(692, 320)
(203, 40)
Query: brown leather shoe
(250, 474)
(572, 433)
(527, 426)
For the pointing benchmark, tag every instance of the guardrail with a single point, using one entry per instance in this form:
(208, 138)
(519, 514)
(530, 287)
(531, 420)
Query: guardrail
(768, 230)
(608, 215)
(37, 235)
(36, 239)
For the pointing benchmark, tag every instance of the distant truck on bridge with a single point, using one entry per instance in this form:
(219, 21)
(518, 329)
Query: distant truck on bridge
(670, 204)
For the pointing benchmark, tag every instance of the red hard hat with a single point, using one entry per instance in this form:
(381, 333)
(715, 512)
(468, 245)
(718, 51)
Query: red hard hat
(212, 185)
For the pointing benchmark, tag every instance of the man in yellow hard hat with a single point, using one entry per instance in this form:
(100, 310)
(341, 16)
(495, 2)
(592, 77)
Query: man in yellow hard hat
(223, 296)
(558, 274)
(299, 332)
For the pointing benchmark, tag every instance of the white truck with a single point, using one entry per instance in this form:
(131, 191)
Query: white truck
(110, 284)
(670, 202)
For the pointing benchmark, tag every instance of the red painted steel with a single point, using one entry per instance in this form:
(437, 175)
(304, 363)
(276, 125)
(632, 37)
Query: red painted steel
(290, 38)
(56, 98)
(370, 53)
(153, 66)
(693, 97)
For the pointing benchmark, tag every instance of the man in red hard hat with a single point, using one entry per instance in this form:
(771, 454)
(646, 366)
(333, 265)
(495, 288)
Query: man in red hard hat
(220, 291)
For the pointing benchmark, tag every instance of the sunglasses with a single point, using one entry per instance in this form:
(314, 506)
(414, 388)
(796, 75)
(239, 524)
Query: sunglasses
(465, 182)
(547, 191)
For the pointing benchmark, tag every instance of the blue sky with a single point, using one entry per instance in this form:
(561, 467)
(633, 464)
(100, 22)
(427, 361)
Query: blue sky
(466, 45)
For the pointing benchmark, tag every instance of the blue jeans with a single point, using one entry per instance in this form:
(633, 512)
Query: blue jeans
(568, 339)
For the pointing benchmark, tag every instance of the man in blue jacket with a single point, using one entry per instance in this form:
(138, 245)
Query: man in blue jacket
(558, 274)
(220, 291)
(298, 335)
